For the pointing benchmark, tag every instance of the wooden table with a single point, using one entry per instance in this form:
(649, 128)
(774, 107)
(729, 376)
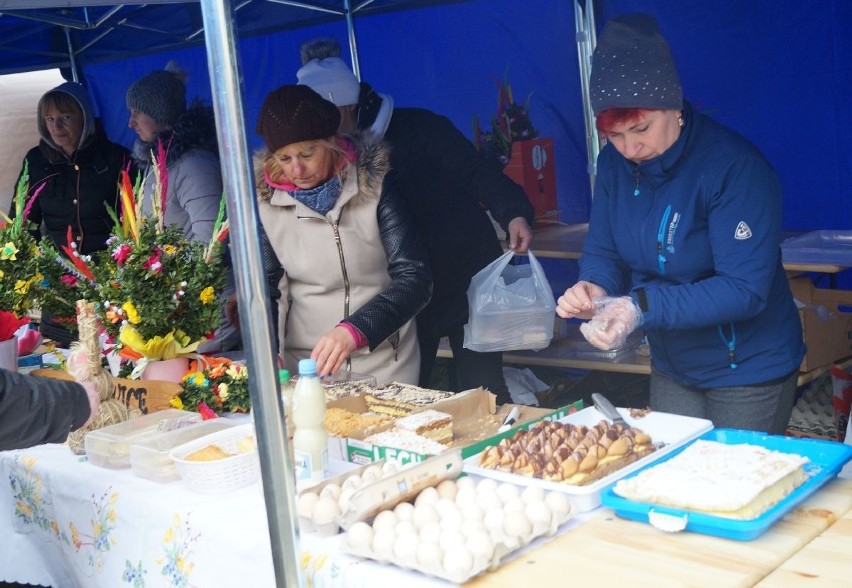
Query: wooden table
(609, 551)
(825, 561)
(565, 241)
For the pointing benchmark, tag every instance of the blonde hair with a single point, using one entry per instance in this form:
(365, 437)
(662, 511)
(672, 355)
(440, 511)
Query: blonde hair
(339, 158)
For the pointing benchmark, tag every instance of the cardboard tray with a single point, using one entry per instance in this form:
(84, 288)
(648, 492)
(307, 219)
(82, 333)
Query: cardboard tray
(670, 430)
(826, 459)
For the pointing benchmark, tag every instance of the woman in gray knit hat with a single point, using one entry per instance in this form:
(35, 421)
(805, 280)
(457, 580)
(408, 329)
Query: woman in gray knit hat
(161, 119)
(684, 242)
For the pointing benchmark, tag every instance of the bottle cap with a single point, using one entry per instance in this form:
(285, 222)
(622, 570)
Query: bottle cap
(307, 367)
(283, 376)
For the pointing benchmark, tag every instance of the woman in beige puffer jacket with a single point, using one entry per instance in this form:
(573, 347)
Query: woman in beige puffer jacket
(355, 273)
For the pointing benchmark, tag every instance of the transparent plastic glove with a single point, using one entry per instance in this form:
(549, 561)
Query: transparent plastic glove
(613, 321)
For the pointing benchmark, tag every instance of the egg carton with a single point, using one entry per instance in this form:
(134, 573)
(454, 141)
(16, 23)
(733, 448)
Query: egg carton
(359, 494)
(459, 528)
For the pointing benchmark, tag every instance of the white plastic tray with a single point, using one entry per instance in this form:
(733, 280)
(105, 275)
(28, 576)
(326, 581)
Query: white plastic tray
(671, 430)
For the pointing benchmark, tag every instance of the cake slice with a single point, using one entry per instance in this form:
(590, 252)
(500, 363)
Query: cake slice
(388, 406)
(432, 424)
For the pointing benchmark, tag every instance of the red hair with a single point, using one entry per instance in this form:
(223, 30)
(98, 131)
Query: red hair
(611, 117)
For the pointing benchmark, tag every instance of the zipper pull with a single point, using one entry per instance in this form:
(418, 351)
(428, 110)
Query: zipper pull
(636, 176)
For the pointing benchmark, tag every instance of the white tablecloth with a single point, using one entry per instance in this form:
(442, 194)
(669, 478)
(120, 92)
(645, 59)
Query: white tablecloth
(66, 523)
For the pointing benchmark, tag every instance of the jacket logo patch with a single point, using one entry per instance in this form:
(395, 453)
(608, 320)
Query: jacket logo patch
(743, 231)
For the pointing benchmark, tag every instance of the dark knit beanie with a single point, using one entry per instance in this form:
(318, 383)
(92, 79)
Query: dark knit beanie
(160, 94)
(291, 114)
(632, 67)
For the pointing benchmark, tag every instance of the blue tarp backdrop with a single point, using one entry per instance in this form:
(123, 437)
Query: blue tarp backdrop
(778, 71)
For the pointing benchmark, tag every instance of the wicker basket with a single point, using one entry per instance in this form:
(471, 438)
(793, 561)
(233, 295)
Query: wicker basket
(220, 475)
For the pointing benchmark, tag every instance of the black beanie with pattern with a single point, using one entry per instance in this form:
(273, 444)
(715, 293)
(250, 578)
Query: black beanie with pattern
(292, 114)
(632, 67)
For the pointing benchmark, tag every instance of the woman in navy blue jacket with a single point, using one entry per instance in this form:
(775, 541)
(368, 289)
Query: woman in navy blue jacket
(684, 241)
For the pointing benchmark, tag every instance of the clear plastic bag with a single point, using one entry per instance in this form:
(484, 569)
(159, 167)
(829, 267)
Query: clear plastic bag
(511, 307)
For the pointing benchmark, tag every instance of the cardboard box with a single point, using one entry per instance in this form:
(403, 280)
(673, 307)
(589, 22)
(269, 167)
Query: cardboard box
(532, 166)
(475, 423)
(826, 322)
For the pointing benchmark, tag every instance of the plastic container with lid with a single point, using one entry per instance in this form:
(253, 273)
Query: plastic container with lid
(310, 439)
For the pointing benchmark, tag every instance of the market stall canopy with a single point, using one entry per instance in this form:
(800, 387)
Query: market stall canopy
(62, 34)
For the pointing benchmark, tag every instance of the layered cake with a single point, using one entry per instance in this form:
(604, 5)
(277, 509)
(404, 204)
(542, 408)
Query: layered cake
(568, 453)
(432, 424)
(734, 481)
(397, 400)
(406, 441)
(342, 423)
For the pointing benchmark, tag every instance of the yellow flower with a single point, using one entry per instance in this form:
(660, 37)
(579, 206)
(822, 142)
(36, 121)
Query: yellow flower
(22, 286)
(169, 536)
(176, 402)
(2, 274)
(207, 295)
(132, 313)
(237, 371)
(9, 251)
(223, 391)
(169, 249)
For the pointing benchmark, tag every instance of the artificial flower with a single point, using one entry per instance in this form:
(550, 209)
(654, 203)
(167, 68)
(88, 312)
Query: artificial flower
(132, 313)
(208, 295)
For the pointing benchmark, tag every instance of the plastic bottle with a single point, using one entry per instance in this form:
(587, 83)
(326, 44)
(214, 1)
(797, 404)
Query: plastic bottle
(310, 440)
(287, 388)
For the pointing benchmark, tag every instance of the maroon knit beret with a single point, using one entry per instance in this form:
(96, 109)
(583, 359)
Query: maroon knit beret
(291, 114)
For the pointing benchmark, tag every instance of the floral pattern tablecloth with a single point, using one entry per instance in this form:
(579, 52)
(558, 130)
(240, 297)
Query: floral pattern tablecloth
(68, 523)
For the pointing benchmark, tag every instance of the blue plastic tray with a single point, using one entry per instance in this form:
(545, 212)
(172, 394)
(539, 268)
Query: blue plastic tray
(826, 459)
(834, 247)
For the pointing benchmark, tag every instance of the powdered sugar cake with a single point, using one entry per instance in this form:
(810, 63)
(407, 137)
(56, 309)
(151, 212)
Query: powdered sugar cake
(432, 424)
(738, 481)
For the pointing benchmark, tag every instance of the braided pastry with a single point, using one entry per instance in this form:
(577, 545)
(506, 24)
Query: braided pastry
(568, 453)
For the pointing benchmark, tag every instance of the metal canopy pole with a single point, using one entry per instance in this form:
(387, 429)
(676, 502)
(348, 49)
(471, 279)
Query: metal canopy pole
(279, 483)
(584, 24)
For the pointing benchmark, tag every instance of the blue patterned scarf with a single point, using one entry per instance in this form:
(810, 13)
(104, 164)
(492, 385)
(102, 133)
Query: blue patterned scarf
(322, 198)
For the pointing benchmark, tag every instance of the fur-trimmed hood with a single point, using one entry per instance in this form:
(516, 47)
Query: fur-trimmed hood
(195, 129)
(372, 163)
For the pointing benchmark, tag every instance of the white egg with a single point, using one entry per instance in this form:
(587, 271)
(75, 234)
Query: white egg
(514, 504)
(430, 532)
(507, 492)
(516, 525)
(470, 527)
(465, 495)
(489, 500)
(370, 477)
(427, 496)
(353, 481)
(383, 544)
(360, 536)
(450, 520)
(325, 511)
(429, 555)
(386, 519)
(450, 540)
(404, 511)
(481, 547)
(531, 494)
(472, 511)
(306, 503)
(559, 505)
(486, 484)
(459, 561)
(373, 472)
(405, 549)
(444, 505)
(447, 489)
(344, 498)
(539, 515)
(423, 514)
(331, 490)
(390, 467)
(465, 482)
(406, 528)
(493, 521)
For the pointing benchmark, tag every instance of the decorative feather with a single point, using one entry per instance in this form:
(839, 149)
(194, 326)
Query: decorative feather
(128, 206)
(74, 256)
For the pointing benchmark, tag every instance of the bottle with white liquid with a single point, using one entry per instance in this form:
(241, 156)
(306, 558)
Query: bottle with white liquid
(310, 439)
